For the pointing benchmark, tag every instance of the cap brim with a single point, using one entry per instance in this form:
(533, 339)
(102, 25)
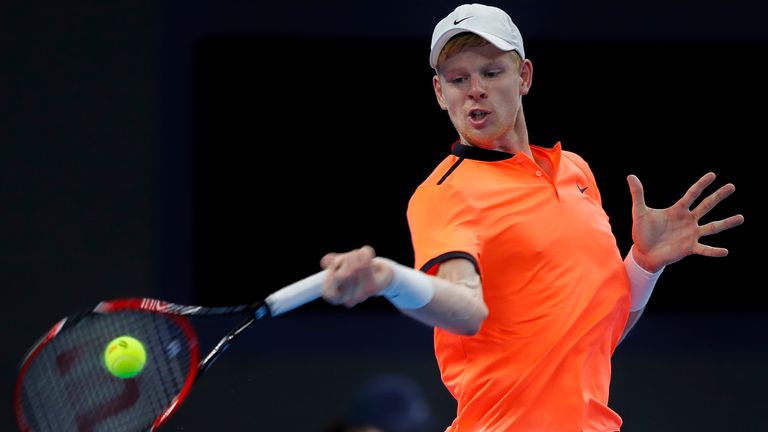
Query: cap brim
(496, 41)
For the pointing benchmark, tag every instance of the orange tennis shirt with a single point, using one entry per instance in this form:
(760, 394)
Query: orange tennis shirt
(553, 279)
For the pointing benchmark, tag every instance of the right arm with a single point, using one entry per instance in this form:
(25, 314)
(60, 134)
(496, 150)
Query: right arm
(456, 302)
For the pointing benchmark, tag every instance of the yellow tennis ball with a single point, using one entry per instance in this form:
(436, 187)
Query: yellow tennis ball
(125, 356)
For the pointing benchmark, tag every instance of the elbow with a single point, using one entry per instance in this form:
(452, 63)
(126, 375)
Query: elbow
(473, 325)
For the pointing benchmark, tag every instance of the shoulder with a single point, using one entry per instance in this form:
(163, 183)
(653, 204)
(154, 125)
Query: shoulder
(433, 191)
(574, 157)
(577, 160)
(439, 196)
(435, 182)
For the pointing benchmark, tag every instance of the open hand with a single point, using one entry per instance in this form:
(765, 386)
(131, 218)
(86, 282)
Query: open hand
(664, 236)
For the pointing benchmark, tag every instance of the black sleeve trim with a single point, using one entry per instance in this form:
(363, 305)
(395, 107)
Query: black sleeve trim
(448, 256)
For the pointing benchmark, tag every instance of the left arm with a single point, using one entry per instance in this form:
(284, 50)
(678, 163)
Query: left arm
(634, 317)
(665, 236)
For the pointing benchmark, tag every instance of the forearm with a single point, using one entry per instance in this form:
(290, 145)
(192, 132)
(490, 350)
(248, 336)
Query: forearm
(454, 307)
(642, 283)
(452, 300)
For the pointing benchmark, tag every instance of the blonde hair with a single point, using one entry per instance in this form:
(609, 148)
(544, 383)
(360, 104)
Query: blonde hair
(462, 41)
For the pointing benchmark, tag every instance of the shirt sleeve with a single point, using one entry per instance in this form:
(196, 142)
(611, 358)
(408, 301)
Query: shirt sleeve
(441, 222)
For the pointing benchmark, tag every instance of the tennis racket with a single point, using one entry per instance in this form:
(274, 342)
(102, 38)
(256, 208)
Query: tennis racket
(63, 384)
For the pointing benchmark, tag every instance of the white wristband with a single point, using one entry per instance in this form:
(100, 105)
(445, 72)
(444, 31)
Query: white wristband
(641, 282)
(409, 289)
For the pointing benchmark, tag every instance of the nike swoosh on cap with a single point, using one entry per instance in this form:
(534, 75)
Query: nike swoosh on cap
(456, 22)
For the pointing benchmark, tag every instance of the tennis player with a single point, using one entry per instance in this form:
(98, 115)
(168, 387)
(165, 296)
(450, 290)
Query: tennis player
(520, 274)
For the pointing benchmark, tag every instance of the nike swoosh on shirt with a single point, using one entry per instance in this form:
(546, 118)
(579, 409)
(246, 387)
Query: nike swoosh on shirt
(581, 189)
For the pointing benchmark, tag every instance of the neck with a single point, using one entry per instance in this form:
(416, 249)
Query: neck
(514, 140)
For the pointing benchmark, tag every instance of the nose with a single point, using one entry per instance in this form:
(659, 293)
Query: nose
(477, 90)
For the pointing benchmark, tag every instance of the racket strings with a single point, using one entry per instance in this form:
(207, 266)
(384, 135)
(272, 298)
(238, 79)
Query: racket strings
(66, 386)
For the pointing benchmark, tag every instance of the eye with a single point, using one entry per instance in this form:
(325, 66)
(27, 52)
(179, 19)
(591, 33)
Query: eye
(457, 80)
(492, 73)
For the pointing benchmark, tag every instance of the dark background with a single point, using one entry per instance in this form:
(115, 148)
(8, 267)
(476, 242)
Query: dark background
(209, 152)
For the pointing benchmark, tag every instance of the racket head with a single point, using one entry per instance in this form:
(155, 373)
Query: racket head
(63, 384)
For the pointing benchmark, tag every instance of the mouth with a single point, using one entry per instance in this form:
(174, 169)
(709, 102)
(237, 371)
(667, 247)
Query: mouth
(478, 114)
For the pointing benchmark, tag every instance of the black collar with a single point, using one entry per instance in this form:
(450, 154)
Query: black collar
(469, 152)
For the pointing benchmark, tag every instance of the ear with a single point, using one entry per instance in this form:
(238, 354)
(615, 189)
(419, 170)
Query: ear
(526, 76)
(439, 92)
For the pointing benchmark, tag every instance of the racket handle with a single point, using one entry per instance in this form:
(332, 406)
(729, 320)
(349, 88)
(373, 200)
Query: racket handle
(296, 294)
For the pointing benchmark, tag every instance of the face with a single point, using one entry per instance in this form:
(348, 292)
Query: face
(482, 89)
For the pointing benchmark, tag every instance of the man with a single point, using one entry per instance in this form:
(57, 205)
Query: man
(520, 273)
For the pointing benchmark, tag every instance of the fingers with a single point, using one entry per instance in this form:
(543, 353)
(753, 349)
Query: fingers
(721, 225)
(714, 228)
(710, 251)
(349, 276)
(326, 261)
(712, 200)
(331, 292)
(339, 260)
(349, 263)
(636, 189)
(694, 192)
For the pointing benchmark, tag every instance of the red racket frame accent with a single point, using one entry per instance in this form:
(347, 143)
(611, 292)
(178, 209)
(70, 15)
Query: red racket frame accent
(20, 419)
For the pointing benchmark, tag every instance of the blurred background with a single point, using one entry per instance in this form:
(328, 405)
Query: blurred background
(209, 152)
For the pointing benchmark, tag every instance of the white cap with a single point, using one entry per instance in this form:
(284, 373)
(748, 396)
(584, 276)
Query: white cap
(491, 23)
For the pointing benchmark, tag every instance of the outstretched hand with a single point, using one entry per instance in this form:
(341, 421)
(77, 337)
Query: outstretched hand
(354, 276)
(664, 236)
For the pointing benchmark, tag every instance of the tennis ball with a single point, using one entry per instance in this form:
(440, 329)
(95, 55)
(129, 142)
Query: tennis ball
(125, 356)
